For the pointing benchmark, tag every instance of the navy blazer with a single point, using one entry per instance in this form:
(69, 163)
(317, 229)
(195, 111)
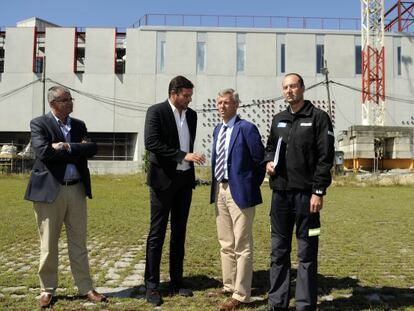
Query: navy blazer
(50, 164)
(245, 171)
(162, 141)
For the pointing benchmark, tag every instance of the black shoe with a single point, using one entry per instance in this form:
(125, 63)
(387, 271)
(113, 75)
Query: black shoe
(153, 296)
(185, 292)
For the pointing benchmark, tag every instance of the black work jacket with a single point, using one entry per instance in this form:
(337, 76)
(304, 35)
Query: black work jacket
(306, 150)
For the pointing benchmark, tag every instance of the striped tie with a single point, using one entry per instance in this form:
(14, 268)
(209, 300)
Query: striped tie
(219, 171)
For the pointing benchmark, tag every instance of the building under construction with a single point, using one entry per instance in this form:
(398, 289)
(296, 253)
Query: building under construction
(116, 74)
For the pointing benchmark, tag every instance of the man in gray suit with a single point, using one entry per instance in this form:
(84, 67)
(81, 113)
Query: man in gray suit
(58, 186)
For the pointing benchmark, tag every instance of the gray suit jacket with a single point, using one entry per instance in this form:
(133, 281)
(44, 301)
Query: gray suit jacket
(50, 164)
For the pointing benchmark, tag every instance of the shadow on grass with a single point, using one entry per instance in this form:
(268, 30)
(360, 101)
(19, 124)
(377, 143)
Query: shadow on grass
(363, 297)
(71, 298)
(201, 282)
(358, 297)
(135, 292)
(260, 283)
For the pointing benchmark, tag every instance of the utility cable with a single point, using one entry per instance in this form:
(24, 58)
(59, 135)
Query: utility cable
(17, 90)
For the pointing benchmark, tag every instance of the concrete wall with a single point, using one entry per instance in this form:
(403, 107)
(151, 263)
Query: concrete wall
(19, 50)
(114, 167)
(123, 99)
(60, 50)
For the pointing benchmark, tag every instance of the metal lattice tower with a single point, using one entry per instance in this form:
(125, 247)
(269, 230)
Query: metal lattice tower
(401, 16)
(373, 64)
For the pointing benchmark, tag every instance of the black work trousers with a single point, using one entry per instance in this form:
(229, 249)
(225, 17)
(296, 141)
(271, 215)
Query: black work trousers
(175, 200)
(291, 208)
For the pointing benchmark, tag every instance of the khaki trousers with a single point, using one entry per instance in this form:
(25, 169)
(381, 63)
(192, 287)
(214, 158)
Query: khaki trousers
(69, 208)
(234, 229)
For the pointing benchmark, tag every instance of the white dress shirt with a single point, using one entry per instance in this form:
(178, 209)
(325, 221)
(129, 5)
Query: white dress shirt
(183, 135)
(229, 130)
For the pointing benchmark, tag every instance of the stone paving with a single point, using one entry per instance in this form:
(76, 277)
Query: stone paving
(120, 271)
(123, 269)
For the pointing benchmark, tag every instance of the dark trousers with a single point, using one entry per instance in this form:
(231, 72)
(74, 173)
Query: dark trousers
(175, 200)
(290, 208)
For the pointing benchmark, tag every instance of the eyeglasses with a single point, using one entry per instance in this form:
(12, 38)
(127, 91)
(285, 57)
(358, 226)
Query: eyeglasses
(64, 100)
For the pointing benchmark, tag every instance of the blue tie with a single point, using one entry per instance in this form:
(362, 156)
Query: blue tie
(219, 171)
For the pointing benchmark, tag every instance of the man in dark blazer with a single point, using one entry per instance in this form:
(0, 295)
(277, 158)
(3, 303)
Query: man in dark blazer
(58, 186)
(170, 129)
(237, 174)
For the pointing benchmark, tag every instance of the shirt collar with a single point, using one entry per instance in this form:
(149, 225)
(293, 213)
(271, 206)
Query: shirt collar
(231, 121)
(305, 110)
(59, 121)
(174, 109)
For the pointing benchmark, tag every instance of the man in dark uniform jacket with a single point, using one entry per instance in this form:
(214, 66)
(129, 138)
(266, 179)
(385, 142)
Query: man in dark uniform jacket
(299, 156)
(170, 129)
(58, 186)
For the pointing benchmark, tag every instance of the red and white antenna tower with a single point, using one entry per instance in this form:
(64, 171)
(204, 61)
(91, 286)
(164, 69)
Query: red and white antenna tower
(400, 17)
(373, 64)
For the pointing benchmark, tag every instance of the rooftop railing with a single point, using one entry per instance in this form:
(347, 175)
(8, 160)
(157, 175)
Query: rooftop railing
(191, 20)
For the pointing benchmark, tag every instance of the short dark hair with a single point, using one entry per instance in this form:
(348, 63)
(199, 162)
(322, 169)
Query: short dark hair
(297, 75)
(178, 83)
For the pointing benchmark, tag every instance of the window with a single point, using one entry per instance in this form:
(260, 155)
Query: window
(2, 41)
(398, 60)
(114, 146)
(79, 62)
(39, 52)
(319, 58)
(281, 53)
(120, 53)
(241, 52)
(1, 59)
(161, 49)
(201, 52)
(397, 56)
(358, 56)
(320, 51)
(358, 60)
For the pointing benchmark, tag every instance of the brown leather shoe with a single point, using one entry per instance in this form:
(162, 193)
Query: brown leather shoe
(231, 304)
(45, 300)
(94, 296)
(219, 293)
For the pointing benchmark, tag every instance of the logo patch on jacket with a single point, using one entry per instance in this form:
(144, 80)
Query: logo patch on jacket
(281, 124)
(306, 124)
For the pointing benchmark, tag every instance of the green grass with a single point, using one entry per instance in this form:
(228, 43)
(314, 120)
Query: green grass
(366, 246)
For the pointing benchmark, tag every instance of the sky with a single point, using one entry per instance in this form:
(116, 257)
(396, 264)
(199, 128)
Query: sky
(124, 13)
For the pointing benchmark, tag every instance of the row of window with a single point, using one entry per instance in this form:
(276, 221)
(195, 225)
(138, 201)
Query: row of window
(111, 146)
(120, 53)
(281, 53)
(39, 53)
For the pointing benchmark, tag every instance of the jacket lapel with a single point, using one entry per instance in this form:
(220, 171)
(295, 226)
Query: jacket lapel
(171, 122)
(54, 126)
(191, 122)
(234, 133)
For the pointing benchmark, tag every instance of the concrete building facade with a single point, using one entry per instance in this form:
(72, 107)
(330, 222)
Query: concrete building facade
(115, 76)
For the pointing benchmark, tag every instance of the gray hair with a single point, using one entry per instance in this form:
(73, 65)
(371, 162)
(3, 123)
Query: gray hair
(233, 93)
(55, 91)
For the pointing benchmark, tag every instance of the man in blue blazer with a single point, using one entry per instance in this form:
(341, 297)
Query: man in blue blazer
(237, 174)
